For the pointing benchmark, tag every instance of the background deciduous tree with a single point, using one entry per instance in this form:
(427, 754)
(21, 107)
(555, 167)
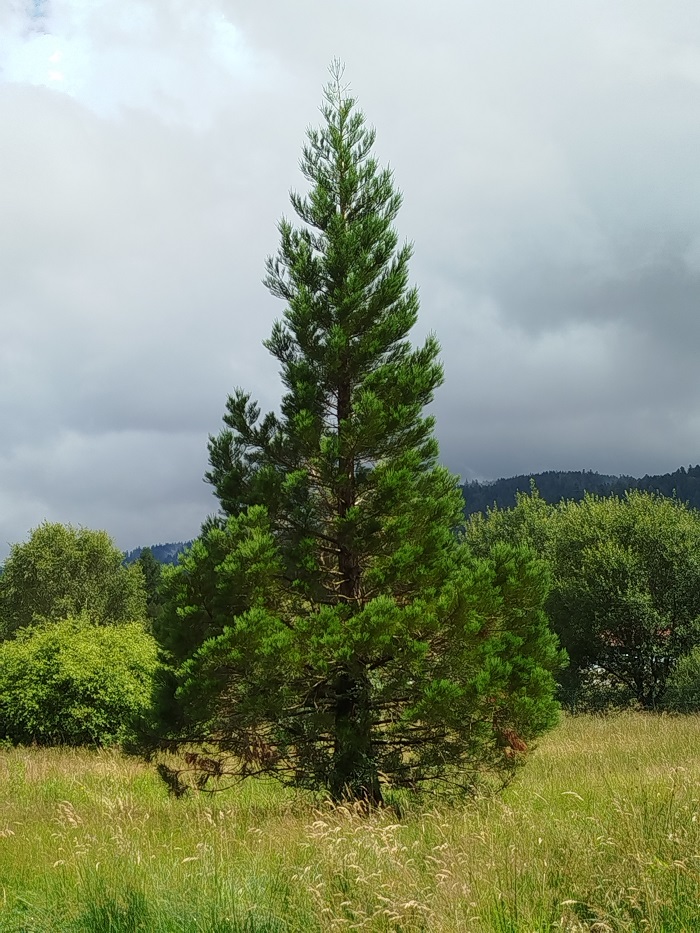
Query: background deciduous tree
(627, 593)
(625, 599)
(63, 571)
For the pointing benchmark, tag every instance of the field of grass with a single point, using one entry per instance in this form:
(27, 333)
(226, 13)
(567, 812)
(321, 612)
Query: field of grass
(600, 831)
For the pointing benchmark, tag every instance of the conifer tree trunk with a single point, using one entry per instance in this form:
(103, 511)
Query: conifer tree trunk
(348, 562)
(355, 772)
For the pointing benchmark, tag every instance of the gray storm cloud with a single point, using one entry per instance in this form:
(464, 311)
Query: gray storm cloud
(547, 159)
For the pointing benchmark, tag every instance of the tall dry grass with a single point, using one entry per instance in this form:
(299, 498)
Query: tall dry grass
(600, 831)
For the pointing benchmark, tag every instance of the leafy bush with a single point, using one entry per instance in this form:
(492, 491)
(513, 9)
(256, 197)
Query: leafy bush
(72, 682)
(683, 691)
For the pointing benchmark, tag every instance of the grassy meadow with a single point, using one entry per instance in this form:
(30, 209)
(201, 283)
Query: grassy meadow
(600, 831)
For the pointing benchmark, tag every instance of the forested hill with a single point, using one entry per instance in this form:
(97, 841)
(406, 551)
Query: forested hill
(555, 485)
(164, 553)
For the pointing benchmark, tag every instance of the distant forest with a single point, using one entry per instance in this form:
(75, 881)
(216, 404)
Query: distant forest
(164, 553)
(555, 485)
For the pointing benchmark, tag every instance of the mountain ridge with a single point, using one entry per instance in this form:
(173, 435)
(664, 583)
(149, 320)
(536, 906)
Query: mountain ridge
(555, 485)
(164, 553)
(552, 485)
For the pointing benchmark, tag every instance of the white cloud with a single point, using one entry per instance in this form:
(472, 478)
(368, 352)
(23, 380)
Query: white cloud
(176, 60)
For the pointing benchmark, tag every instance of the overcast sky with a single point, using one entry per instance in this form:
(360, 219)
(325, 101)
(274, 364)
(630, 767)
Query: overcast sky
(549, 156)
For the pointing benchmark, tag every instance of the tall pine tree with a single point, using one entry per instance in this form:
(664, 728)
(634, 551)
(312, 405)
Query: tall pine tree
(329, 627)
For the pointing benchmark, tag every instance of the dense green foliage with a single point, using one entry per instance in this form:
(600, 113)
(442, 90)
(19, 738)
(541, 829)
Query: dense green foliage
(63, 571)
(557, 485)
(625, 599)
(627, 596)
(329, 627)
(683, 687)
(72, 682)
(452, 674)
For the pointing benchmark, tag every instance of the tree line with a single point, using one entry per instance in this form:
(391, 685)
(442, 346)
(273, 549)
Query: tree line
(557, 485)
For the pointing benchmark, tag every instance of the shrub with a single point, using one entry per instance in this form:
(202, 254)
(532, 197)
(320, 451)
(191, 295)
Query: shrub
(72, 682)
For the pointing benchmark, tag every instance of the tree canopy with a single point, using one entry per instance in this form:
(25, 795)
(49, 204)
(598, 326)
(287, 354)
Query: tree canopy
(63, 571)
(625, 598)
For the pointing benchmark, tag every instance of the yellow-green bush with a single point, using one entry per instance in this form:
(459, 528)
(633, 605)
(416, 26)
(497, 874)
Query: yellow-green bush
(73, 682)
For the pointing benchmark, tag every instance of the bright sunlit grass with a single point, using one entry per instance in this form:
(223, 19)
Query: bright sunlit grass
(600, 831)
